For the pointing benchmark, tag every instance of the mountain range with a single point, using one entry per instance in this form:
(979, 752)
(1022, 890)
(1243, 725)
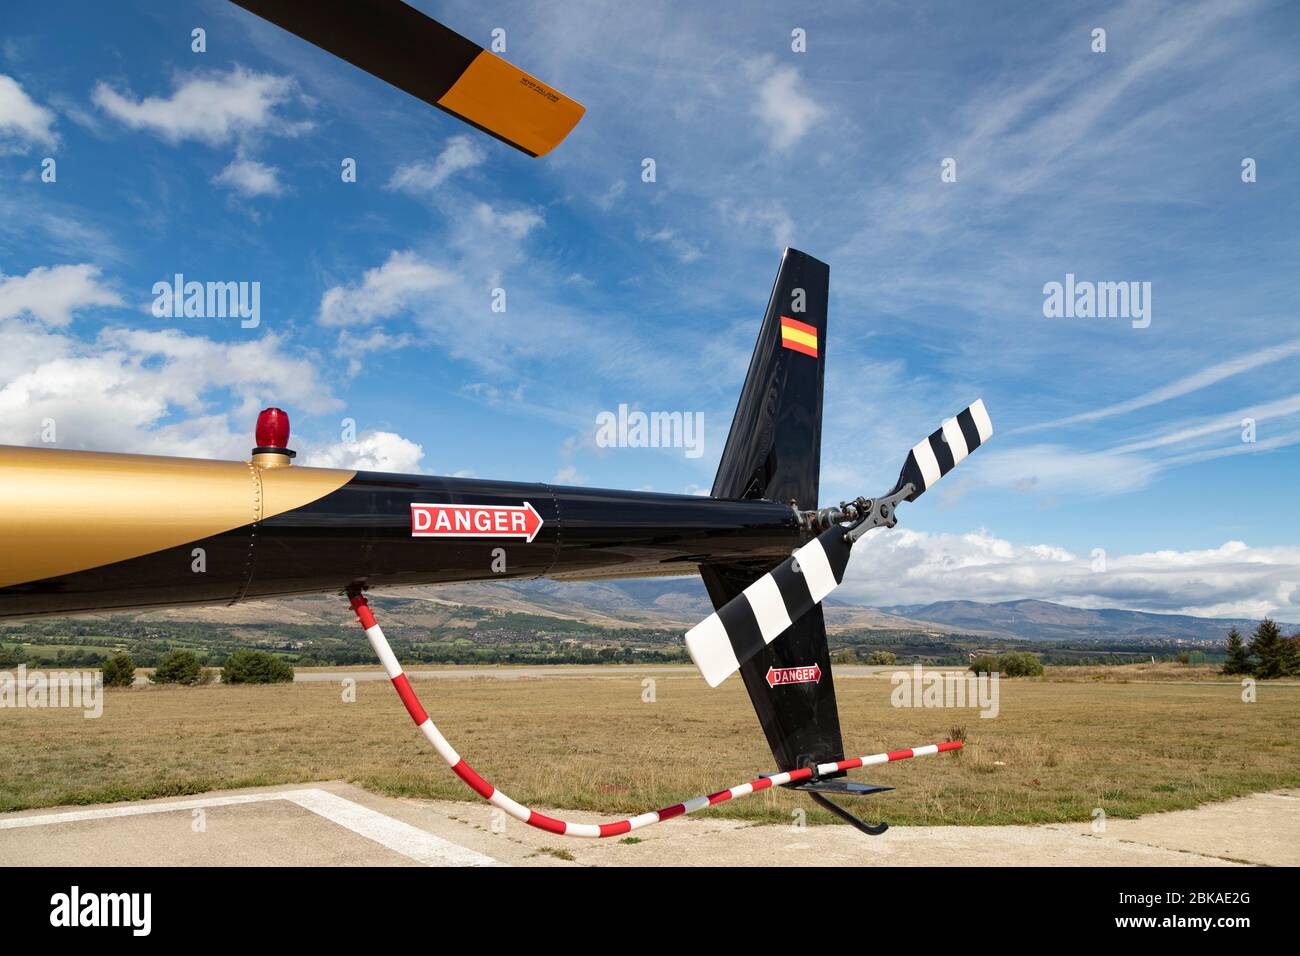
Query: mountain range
(679, 603)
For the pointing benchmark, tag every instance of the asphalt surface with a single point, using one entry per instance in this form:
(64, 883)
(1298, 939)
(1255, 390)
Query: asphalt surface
(335, 824)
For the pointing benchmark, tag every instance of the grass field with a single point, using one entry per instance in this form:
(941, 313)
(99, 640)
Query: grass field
(1057, 750)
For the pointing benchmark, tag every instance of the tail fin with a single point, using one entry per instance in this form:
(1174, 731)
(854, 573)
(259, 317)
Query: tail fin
(774, 451)
(774, 448)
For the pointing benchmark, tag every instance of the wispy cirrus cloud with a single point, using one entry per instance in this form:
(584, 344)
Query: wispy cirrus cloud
(1183, 386)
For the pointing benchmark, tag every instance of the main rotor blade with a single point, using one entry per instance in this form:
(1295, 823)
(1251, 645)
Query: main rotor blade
(763, 611)
(415, 53)
(931, 459)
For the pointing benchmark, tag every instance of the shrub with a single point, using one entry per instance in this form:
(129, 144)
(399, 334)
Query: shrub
(1020, 664)
(255, 667)
(882, 657)
(178, 667)
(11, 657)
(119, 671)
(984, 664)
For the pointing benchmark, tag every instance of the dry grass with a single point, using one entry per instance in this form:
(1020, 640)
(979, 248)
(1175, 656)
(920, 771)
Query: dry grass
(1162, 671)
(1056, 751)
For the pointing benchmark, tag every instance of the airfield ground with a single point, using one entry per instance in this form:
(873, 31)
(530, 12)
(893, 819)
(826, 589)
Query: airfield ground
(336, 824)
(596, 742)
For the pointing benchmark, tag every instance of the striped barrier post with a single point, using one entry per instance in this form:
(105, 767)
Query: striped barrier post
(541, 821)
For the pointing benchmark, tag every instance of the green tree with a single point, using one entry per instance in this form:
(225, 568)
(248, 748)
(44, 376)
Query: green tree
(1290, 656)
(1266, 647)
(1238, 659)
(246, 666)
(119, 671)
(1020, 664)
(178, 667)
(984, 664)
(884, 658)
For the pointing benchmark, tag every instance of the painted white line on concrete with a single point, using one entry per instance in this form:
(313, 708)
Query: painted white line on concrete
(410, 841)
(135, 810)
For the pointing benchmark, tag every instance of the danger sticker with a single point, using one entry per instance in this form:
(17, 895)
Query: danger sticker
(793, 675)
(475, 521)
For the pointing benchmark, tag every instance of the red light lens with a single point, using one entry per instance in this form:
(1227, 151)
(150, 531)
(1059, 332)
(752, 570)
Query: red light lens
(273, 428)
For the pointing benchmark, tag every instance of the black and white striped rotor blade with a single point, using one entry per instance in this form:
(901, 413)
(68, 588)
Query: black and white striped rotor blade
(939, 454)
(758, 615)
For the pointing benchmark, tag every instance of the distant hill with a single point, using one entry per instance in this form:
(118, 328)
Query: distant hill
(1045, 621)
(679, 603)
(659, 603)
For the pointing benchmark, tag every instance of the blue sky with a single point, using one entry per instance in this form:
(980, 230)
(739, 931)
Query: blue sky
(375, 295)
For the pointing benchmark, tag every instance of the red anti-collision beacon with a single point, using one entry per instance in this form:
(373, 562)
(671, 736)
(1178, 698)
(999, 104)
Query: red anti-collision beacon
(272, 435)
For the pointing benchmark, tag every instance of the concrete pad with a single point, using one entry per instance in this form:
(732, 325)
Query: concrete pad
(287, 826)
(704, 842)
(1263, 828)
(335, 824)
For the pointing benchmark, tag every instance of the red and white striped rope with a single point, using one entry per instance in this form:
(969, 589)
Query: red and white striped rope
(540, 820)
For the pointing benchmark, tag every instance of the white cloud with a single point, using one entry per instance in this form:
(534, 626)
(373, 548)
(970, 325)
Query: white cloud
(459, 154)
(53, 293)
(372, 451)
(400, 283)
(250, 178)
(210, 108)
(1183, 386)
(769, 216)
(23, 121)
(1233, 580)
(786, 111)
(515, 223)
(148, 391)
(613, 194)
(685, 250)
(1062, 468)
(569, 475)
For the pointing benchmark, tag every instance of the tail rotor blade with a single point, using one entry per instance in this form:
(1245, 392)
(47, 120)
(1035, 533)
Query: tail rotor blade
(932, 458)
(753, 619)
(763, 611)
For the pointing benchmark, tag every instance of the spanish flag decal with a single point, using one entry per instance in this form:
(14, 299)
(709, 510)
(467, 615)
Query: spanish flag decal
(798, 336)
